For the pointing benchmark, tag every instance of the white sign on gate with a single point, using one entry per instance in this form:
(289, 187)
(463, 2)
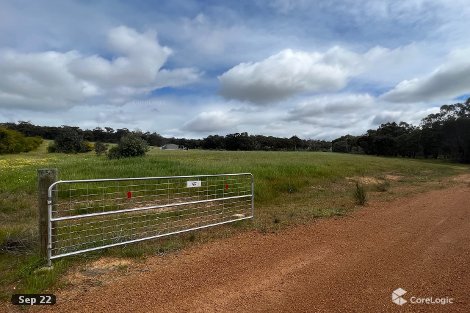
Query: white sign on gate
(193, 183)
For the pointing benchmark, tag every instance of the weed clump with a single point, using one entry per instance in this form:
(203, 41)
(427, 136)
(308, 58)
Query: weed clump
(360, 194)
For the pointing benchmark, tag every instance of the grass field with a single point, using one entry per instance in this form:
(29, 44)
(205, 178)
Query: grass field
(290, 188)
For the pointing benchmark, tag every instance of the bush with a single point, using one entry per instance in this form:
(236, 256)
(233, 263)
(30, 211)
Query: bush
(86, 146)
(114, 153)
(69, 141)
(130, 145)
(12, 141)
(100, 148)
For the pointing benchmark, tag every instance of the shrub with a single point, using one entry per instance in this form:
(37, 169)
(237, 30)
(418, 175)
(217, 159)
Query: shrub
(360, 194)
(113, 153)
(100, 148)
(12, 141)
(69, 141)
(32, 143)
(130, 145)
(86, 146)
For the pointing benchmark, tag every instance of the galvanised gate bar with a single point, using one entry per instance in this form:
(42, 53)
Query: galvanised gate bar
(87, 215)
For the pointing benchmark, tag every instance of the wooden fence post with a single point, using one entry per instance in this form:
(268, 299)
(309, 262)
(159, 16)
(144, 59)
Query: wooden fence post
(46, 177)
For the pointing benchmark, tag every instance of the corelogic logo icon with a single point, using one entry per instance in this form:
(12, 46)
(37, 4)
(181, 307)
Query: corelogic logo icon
(397, 296)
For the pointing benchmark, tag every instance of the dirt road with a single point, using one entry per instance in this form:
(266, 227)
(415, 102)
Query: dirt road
(348, 264)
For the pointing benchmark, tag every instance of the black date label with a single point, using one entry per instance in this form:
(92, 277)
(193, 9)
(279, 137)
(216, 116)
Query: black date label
(33, 299)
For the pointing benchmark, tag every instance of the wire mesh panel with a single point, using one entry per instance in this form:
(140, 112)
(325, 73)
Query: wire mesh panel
(87, 215)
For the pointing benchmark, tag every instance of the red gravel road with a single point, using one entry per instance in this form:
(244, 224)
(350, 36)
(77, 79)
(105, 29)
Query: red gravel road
(349, 264)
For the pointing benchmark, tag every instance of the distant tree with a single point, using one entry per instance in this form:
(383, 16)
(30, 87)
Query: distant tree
(366, 142)
(446, 133)
(456, 139)
(385, 145)
(88, 135)
(266, 143)
(239, 141)
(68, 141)
(121, 133)
(296, 143)
(345, 144)
(318, 145)
(390, 139)
(409, 144)
(340, 146)
(153, 139)
(213, 142)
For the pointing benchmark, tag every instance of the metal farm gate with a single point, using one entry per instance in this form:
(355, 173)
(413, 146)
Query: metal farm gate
(87, 215)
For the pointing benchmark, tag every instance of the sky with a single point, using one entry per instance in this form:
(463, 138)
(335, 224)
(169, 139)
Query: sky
(182, 68)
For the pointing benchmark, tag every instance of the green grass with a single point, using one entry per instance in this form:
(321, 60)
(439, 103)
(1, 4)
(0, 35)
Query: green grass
(290, 188)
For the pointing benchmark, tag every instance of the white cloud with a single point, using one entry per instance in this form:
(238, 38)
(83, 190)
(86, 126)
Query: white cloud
(176, 77)
(287, 73)
(331, 116)
(46, 80)
(329, 113)
(207, 122)
(285, 6)
(290, 72)
(141, 57)
(34, 79)
(318, 106)
(447, 81)
(410, 115)
(218, 40)
(385, 67)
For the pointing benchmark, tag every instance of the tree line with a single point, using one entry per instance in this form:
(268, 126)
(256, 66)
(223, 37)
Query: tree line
(445, 134)
(106, 134)
(236, 141)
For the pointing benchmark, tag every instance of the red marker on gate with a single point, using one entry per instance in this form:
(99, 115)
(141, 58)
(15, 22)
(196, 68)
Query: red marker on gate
(226, 186)
(129, 195)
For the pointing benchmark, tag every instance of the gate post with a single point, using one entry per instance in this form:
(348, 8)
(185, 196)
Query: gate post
(46, 177)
